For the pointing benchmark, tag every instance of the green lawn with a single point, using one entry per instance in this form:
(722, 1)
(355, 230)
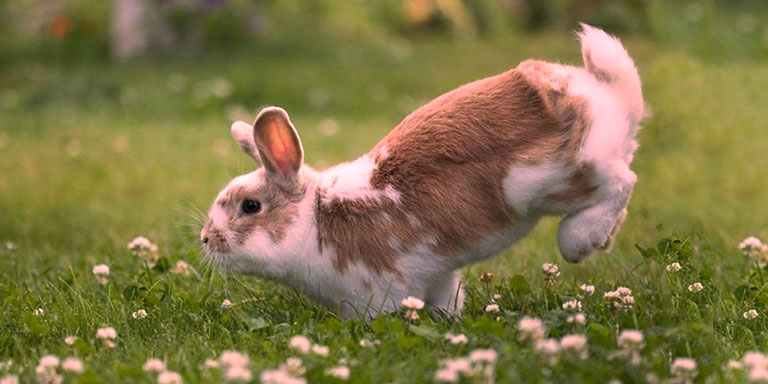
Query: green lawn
(93, 155)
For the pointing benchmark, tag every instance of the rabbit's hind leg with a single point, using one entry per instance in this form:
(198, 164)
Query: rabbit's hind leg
(595, 227)
(447, 294)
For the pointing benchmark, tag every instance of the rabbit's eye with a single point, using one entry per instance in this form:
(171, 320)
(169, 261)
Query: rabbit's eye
(251, 206)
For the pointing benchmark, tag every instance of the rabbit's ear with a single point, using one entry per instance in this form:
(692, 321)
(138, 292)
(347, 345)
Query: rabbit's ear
(243, 134)
(278, 144)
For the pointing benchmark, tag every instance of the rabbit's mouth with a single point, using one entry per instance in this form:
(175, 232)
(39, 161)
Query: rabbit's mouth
(216, 254)
(217, 246)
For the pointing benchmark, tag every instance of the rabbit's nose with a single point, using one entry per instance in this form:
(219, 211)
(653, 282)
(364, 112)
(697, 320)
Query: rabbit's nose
(205, 239)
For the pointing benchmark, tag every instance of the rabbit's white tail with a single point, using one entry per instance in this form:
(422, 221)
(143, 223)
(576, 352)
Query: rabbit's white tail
(607, 60)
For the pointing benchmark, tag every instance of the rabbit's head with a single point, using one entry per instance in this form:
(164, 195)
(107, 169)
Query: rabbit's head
(261, 218)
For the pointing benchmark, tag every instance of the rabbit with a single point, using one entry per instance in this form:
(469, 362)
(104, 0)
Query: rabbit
(457, 181)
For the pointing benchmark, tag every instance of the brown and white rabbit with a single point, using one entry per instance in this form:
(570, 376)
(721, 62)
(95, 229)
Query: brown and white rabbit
(457, 181)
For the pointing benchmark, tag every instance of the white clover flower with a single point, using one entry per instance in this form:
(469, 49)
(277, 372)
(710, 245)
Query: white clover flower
(369, 343)
(446, 375)
(752, 244)
(492, 308)
(411, 302)
(278, 376)
(226, 304)
(531, 329)
(70, 340)
(758, 375)
(624, 291)
(578, 318)
(733, 364)
(106, 333)
(211, 364)
(169, 377)
(109, 344)
(683, 367)
(140, 314)
(755, 359)
(750, 315)
(49, 361)
(153, 365)
(101, 270)
(300, 343)
(144, 249)
(233, 359)
(239, 373)
(10, 379)
(572, 305)
(547, 346)
(43, 372)
(320, 350)
(589, 290)
(631, 339)
(754, 249)
(293, 366)
(696, 287)
(674, 267)
(550, 269)
(480, 361)
(48, 375)
(10, 246)
(72, 365)
(39, 312)
(575, 344)
(456, 339)
(140, 242)
(461, 365)
(339, 372)
(483, 356)
(620, 298)
(483, 362)
(6, 365)
(496, 298)
(181, 268)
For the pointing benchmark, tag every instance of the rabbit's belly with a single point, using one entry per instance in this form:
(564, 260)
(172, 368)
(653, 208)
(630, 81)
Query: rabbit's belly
(495, 242)
(423, 264)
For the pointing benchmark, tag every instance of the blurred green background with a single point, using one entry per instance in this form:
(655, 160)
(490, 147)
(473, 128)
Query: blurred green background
(114, 115)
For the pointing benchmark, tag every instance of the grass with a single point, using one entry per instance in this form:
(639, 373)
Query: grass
(92, 155)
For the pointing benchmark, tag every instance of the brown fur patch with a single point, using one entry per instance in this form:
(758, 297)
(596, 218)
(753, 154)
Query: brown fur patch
(357, 230)
(570, 111)
(448, 160)
(278, 211)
